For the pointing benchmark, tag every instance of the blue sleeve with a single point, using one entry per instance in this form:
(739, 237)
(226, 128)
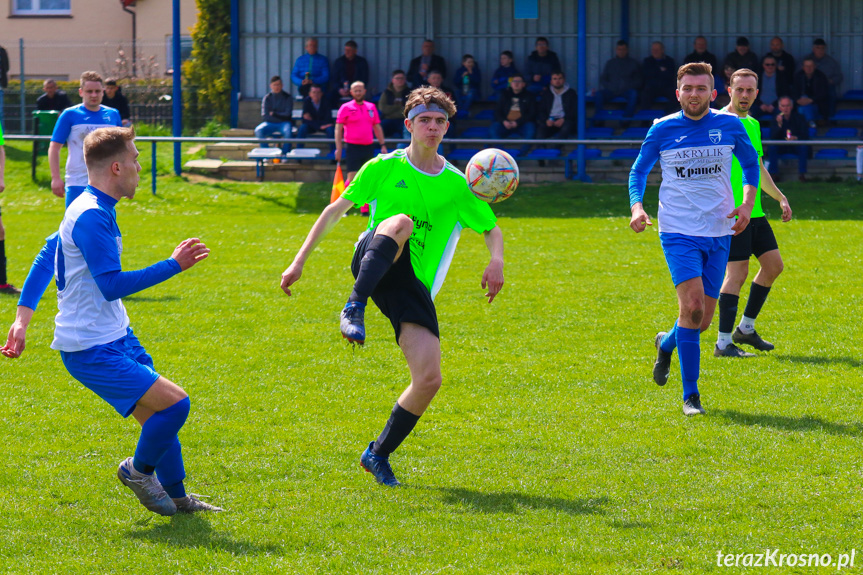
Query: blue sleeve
(40, 275)
(118, 119)
(63, 127)
(297, 76)
(747, 156)
(95, 237)
(643, 164)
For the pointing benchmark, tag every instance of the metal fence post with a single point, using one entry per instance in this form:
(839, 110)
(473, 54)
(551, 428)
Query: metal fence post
(23, 129)
(153, 168)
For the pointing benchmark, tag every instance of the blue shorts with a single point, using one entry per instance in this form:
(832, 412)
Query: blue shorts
(119, 372)
(72, 192)
(695, 256)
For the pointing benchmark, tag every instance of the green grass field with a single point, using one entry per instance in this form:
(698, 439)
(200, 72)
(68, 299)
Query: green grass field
(548, 450)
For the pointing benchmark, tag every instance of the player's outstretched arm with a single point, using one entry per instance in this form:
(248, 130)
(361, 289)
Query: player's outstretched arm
(743, 213)
(492, 277)
(58, 186)
(769, 186)
(639, 220)
(325, 222)
(16, 339)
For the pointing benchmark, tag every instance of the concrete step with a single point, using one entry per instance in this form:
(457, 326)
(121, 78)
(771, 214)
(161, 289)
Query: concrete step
(229, 151)
(203, 166)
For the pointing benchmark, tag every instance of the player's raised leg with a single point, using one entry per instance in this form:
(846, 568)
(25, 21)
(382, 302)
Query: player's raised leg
(421, 349)
(383, 250)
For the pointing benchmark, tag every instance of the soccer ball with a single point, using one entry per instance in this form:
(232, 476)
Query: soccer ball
(492, 175)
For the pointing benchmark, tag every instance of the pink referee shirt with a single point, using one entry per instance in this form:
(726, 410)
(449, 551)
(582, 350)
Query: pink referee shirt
(359, 121)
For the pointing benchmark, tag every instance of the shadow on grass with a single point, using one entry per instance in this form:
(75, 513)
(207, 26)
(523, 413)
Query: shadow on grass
(508, 502)
(148, 299)
(806, 423)
(280, 201)
(817, 360)
(195, 531)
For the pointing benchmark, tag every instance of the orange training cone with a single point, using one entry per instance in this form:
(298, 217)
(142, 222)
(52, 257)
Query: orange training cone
(338, 184)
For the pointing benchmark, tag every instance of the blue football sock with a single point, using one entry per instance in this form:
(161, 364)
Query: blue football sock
(689, 350)
(159, 433)
(171, 471)
(669, 340)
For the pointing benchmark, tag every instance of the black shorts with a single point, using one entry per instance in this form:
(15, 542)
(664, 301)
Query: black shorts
(757, 239)
(356, 155)
(400, 295)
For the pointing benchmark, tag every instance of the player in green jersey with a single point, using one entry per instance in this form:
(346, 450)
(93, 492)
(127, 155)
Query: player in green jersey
(419, 205)
(757, 239)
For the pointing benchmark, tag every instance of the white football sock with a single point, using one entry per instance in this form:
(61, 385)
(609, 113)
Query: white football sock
(723, 340)
(747, 325)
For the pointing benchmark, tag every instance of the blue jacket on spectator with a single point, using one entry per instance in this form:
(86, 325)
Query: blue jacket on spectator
(316, 65)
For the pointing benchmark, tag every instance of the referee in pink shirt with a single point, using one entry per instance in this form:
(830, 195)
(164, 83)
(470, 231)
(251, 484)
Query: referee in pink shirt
(357, 125)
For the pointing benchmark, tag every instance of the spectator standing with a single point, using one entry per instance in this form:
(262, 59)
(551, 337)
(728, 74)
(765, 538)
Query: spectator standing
(317, 115)
(540, 65)
(772, 84)
(52, 98)
(391, 105)
(700, 54)
(515, 112)
(310, 68)
(276, 109)
(742, 57)
(811, 91)
(789, 125)
(502, 76)
(831, 68)
(357, 125)
(621, 77)
(467, 83)
(114, 98)
(347, 69)
(422, 65)
(660, 77)
(785, 62)
(557, 114)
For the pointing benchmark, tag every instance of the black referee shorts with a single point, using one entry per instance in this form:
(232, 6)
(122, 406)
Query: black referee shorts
(757, 239)
(357, 154)
(400, 295)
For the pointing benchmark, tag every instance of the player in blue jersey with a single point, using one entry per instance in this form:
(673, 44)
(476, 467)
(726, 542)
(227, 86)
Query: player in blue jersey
(696, 212)
(72, 127)
(92, 330)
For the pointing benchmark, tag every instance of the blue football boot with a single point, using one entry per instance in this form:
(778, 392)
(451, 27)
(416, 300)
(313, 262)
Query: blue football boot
(379, 467)
(352, 322)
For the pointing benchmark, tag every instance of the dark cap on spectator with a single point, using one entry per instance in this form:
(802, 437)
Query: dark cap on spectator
(742, 41)
(819, 42)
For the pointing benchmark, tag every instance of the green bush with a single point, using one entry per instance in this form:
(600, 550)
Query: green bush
(208, 71)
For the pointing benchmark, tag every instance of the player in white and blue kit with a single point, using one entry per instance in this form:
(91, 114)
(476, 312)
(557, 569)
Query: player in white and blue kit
(92, 329)
(71, 128)
(696, 212)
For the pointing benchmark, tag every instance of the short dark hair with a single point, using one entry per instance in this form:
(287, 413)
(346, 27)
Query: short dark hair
(810, 59)
(516, 75)
(106, 144)
(742, 41)
(622, 43)
(351, 43)
(110, 82)
(395, 72)
(695, 69)
(541, 39)
(558, 73)
(466, 56)
(318, 86)
(508, 54)
(275, 79)
(819, 42)
(438, 72)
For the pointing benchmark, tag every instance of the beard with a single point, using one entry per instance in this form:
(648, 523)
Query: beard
(689, 111)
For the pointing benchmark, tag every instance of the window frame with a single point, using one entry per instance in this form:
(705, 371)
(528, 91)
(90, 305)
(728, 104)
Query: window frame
(39, 11)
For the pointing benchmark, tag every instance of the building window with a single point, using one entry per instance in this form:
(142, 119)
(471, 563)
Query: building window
(41, 7)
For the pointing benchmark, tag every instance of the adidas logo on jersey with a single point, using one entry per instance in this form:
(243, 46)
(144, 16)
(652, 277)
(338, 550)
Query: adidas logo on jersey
(402, 184)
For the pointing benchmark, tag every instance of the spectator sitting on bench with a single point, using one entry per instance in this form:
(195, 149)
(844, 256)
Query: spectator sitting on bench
(391, 105)
(276, 108)
(558, 109)
(317, 115)
(52, 99)
(515, 112)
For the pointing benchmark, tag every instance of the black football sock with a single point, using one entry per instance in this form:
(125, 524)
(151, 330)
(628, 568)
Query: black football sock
(2, 262)
(727, 312)
(399, 425)
(375, 263)
(757, 297)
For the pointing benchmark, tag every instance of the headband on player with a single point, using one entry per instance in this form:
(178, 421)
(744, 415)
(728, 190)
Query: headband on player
(423, 108)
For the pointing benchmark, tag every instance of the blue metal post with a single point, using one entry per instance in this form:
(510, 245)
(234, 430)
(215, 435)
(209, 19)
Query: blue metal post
(582, 85)
(153, 168)
(235, 62)
(178, 91)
